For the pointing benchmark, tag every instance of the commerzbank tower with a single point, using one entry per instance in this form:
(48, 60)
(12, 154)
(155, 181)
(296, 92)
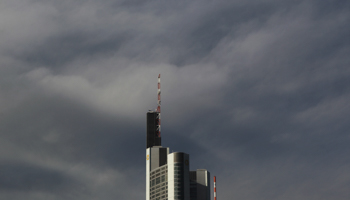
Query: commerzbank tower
(168, 175)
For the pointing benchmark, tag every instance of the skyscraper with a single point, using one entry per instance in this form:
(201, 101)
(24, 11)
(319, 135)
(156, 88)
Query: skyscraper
(168, 175)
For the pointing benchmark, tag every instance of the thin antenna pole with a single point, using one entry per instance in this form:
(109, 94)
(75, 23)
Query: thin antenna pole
(158, 108)
(214, 187)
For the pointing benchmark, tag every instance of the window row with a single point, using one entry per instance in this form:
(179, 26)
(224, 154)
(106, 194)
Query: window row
(159, 190)
(158, 186)
(164, 197)
(158, 180)
(163, 172)
(159, 170)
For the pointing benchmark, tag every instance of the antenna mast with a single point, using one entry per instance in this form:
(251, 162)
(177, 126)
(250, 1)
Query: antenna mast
(214, 187)
(158, 108)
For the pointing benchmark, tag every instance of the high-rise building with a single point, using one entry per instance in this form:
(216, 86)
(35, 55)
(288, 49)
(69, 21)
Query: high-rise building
(168, 175)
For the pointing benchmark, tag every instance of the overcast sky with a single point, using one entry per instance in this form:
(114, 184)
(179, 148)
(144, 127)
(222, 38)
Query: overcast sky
(257, 92)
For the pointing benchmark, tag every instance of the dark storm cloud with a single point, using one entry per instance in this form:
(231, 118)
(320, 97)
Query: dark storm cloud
(83, 135)
(24, 177)
(256, 92)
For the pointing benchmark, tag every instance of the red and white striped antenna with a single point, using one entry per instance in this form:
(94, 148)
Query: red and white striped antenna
(214, 187)
(158, 108)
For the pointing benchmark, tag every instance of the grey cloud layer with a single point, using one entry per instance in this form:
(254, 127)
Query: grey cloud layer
(257, 92)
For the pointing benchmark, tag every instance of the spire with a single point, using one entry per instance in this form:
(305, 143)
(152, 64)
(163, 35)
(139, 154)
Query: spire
(158, 108)
(214, 187)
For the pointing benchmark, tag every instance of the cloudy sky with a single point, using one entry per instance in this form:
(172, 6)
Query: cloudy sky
(257, 92)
